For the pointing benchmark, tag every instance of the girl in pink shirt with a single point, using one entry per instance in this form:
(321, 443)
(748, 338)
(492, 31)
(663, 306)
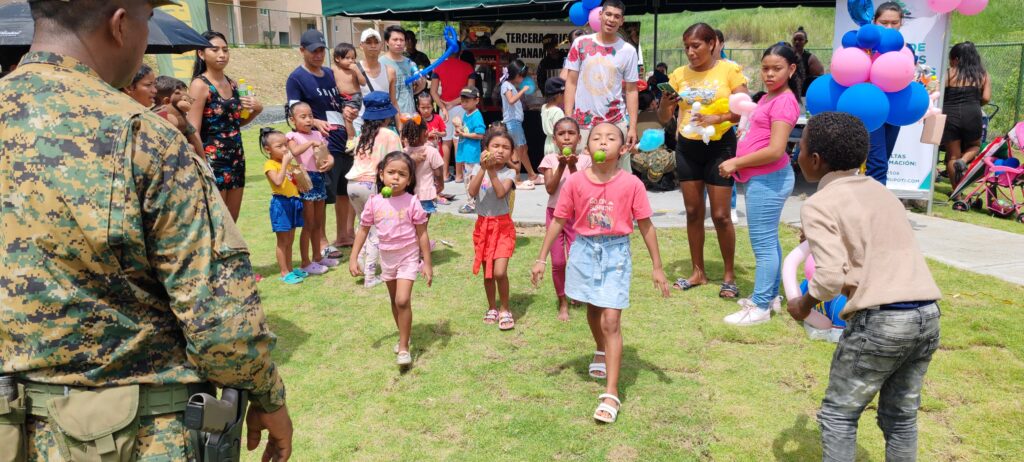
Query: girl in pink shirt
(602, 202)
(761, 164)
(556, 168)
(429, 179)
(402, 237)
(304, 141)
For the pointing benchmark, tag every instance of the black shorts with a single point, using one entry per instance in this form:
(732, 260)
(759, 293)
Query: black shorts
(962, 124)
(337, 185)
(696, 161)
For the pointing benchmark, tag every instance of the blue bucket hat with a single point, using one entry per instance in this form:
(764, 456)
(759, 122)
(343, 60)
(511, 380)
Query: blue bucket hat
(378, 106)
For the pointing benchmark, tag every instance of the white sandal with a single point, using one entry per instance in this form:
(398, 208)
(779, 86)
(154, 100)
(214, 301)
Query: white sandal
(598, 367)
(404, 358)
(612, 411)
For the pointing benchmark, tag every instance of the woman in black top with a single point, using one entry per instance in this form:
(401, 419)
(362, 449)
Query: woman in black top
(967, 89)
(810, 66)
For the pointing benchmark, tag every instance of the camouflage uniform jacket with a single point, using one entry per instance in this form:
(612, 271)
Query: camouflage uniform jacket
(119, 262)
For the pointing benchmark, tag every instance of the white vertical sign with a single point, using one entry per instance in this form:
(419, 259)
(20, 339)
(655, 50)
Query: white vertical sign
(911, 168)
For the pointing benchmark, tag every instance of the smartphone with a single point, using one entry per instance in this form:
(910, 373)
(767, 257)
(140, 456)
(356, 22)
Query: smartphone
(667, 88)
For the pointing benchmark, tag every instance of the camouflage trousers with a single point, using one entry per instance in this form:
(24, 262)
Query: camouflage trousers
(885, 353)
(161, 438)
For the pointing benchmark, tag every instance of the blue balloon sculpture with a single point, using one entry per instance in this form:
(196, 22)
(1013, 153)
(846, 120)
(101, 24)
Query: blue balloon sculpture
(868, 36)
(861, 11)
(849, 39)
(908, 105)
(651, 139)
(823, 95)
(867, 102)
(578, 14)
(451, 38)
(891, 40)
(591, 4)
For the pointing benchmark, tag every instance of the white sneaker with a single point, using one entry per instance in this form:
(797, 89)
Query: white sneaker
(749, 315)
(404, 358)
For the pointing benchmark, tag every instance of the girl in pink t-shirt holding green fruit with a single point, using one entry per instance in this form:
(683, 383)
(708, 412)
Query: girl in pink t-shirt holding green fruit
(602, 202)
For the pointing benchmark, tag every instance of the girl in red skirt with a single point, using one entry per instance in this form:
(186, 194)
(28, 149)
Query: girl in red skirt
(494, 238)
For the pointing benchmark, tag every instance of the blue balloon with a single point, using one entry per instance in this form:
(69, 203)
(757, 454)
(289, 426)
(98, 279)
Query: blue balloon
(591, 4)
(823, 95)
(651, 139)
(868, 36)
(867, 102)
(578, 14)
(528, 82)
(833, 308)
(907, 105)
(452, 39)
(861, 11)
(849, 39)
(891, 40)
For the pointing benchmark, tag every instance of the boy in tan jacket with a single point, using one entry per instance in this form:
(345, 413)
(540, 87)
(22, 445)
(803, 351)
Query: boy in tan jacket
(864, 248)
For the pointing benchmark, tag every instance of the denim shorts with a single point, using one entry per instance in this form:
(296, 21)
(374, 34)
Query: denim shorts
(429, 206)
(598, 271)
(515, 128)
(319, 190)
(285, 213)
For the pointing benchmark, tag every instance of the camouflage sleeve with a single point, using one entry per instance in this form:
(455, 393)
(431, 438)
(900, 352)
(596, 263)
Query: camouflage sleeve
(198, 254)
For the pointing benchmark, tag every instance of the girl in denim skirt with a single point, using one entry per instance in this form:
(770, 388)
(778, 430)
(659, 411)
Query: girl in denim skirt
(305, 141)
(602, 202)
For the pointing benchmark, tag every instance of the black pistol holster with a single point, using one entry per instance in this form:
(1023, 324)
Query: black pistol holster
(215, 425)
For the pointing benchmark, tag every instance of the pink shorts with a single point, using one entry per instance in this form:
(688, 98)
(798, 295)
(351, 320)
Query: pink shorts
(401, 263)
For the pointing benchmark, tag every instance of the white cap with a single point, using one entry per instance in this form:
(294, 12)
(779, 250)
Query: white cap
(369, 33)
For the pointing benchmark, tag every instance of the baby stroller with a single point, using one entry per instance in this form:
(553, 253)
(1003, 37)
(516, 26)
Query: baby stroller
(1001, 184)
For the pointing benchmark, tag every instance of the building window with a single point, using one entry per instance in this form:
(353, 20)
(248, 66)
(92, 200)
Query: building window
(264, 12)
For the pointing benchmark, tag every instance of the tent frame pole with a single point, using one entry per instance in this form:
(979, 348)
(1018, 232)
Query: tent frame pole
(655, 55)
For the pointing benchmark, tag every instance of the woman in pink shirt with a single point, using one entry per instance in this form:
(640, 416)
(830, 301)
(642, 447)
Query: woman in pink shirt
(402, 238)
(762, 165)
(602, 202)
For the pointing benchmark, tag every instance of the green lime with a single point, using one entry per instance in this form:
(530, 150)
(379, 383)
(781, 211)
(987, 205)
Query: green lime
(600, 156)
(386, 192)
(566, 151)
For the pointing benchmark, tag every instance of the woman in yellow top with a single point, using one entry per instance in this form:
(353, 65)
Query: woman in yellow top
(705, 80)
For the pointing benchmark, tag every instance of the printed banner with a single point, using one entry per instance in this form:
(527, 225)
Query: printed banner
(911, 168)
(193, 13)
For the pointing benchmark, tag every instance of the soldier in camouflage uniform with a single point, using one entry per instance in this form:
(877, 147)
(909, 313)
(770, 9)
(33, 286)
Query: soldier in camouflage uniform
(120, 264)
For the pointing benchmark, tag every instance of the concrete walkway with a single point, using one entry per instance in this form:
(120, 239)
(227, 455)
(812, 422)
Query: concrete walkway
(962, 245)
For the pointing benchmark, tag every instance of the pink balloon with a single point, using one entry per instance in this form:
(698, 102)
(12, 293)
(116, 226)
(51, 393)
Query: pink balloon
(971, 7)
(943, 6)
(746, 107)
(595, 19)
(809, 267)
(850, 66)
(906, 51)
(792, 287)
(736, 98)
(892, 71)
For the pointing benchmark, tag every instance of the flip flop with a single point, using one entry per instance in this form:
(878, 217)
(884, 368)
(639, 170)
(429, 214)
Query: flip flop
(526, 185)
(729, 288)
(684, 284)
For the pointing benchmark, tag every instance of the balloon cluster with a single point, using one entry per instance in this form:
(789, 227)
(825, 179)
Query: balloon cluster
(968, 7)
(873, 79)
(586, 12)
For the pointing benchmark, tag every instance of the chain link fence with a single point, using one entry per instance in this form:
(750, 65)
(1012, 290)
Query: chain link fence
(1003, 61)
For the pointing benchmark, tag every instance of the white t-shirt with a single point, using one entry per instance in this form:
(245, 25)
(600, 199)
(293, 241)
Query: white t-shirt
(510, 111)
(602, 69)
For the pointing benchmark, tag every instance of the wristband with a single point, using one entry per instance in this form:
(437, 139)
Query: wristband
(543, 262)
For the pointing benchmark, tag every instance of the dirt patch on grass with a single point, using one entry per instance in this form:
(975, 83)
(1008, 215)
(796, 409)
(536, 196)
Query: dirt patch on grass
(265, 69)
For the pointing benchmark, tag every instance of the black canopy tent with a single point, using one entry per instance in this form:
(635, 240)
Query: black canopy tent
(519, 10)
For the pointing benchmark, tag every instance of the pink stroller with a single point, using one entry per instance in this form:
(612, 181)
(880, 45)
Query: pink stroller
(1002, 186)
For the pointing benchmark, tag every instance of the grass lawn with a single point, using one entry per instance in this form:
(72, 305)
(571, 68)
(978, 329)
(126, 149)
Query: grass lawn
(692, 387)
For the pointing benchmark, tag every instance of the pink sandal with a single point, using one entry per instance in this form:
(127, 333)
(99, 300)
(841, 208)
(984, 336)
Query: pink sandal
(491, 317)
(505, 321)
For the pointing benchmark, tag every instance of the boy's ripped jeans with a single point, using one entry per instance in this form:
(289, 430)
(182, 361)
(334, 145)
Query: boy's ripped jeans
(885, 353)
